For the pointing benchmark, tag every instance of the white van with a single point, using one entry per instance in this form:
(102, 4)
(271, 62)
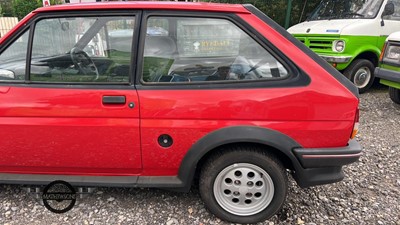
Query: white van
(350, 34)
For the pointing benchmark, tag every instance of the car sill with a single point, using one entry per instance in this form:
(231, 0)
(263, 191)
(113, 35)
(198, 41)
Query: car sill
(101, 181)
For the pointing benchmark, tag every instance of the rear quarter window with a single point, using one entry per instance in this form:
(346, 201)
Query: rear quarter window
(206, 50)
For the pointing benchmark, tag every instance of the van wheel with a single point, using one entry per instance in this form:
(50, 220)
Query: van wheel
(243, 185)
(361, 73)
(394, 94)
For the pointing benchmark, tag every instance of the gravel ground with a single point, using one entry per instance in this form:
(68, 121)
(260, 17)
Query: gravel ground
(368, 195)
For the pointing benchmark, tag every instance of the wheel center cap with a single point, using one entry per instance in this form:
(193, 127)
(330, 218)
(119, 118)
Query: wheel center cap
(243, 190)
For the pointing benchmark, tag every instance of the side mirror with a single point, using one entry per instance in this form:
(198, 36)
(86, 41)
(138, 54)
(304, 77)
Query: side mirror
(64, 26)
(6, 75)
(389, 9)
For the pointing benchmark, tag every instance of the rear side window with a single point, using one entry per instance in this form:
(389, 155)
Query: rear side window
(205, 50)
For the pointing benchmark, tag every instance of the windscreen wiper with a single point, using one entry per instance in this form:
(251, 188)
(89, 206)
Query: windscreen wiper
(353, 14)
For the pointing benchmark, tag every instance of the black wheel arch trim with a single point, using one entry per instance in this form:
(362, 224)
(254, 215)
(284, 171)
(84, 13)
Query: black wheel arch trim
(231, 135)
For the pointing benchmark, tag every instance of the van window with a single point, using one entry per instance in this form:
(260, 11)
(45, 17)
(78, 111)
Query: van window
(346, 9)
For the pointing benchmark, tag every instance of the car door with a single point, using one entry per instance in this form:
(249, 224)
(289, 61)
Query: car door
(183, 94)
(74, 108)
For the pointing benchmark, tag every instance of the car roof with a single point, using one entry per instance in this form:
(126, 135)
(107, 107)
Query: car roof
(193, 6)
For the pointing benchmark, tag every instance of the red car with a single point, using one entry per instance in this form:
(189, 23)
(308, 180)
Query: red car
(158, 94)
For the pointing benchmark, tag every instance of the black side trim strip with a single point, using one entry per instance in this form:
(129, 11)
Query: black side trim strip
(170, 182)
(329, 157)
(335, 73)
(39, 179)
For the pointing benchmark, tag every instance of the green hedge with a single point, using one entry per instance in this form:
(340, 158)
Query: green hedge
(21, 8)
(276, 9)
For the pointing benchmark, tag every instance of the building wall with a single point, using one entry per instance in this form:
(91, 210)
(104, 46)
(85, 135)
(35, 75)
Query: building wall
(6, 24)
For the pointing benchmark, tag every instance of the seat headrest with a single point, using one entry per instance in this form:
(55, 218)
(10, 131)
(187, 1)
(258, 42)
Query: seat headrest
(159, 46)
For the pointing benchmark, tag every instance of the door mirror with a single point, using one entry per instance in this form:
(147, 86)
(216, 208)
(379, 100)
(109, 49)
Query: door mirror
(389, 9)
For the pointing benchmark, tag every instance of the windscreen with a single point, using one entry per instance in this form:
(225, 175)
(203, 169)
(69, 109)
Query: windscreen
(346, 9)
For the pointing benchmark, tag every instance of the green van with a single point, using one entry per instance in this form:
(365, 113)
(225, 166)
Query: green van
(350, 34)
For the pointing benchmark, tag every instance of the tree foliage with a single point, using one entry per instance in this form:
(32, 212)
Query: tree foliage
(276, 9)
(21, 8)
(6, 6)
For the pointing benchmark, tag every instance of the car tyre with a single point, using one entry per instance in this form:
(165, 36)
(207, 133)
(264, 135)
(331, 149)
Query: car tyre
(361, 73)
(243, 185)
(394, 94)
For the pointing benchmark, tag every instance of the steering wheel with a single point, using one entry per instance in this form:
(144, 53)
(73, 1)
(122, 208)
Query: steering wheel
(83, 62)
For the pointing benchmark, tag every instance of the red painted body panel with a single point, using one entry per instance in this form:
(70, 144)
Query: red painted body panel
(310, 118)
(68, 131)
(307, 114)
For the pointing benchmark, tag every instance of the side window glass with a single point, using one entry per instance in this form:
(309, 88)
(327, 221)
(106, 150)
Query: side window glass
(13, 60)
(159, 49)
(157, 27)
(83, 50)
(396, 14)
(205, 50)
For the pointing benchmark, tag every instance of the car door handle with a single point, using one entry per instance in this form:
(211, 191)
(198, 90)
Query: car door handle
(114, 99)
